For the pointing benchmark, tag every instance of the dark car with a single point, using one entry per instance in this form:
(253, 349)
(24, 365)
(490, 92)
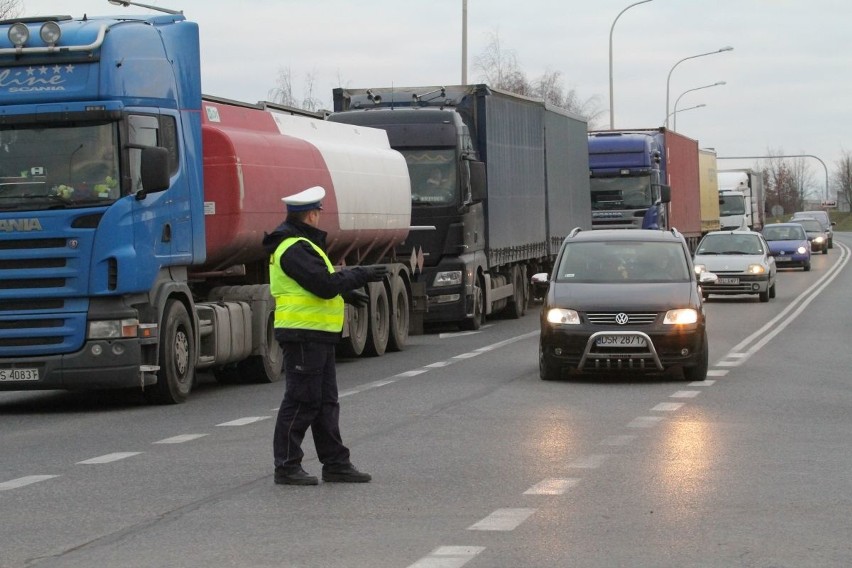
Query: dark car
(788, 243)
(816, 233)
(822, 217)
(623, 301)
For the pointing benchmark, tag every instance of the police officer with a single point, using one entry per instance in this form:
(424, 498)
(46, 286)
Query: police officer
(309, 296)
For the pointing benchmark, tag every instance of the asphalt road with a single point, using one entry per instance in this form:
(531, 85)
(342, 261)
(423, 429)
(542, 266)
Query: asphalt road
(476, 462)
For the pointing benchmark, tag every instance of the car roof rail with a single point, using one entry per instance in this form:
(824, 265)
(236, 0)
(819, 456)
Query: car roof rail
(574, 232)
(675, 232)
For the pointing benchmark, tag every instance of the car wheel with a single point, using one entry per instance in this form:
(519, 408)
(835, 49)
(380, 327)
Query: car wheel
(699, 371)
(807, 267)
(764, 296)
(825, 249)
(546, 370)
(772, 290)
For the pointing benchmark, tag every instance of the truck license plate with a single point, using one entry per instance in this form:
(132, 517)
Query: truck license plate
(621, 341)
(8, 375)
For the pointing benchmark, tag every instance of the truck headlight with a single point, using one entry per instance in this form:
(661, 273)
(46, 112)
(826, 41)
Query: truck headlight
(681, 316)
(448, 278)
(563, 316)
(113, 329)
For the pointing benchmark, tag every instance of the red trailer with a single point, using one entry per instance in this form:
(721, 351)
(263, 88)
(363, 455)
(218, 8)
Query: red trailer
(682, 173)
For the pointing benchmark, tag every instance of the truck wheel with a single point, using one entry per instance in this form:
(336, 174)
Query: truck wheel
(267, 366)
(353, 345)
(517, 307)
(379, 328)
(177, 357)
(475, 322)
(399, 318)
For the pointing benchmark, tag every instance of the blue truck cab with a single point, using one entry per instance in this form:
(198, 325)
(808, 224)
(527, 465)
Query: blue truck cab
(101, 202)
(626, 170)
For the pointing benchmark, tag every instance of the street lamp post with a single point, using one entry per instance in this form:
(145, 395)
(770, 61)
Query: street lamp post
(677, 100)
(464, 43)
(817, 158)
(669, 78)
(684, 110)
(611, 102)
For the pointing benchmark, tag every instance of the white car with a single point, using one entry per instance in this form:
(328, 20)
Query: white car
(742, 262)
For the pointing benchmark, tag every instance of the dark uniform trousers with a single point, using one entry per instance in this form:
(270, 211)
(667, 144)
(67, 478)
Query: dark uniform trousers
(310, 400)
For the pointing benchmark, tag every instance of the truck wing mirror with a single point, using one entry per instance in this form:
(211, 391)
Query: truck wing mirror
(665, 194)
(154, 170)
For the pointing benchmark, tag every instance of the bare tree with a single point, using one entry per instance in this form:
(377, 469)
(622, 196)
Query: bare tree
(10, 9)
(786, 181)
(498, 67)
(842, 177)
(283, 92)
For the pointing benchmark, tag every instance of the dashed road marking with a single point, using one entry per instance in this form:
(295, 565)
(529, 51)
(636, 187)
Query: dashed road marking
(668, 406)
(244, 421)
(502, 520)
(552, 486)
(644, 421)
(704, 383)
(448, 557)
(24, 481)
(717, 372)
(685, 394)
(589, 462)
(108, 458)
(437, 364)
(180, 439)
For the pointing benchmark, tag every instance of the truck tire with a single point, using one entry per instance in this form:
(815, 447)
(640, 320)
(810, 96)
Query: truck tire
(177, 357)
(353, 345)
(399, 318)
(379, 328)
(518, 306)
(475, 322)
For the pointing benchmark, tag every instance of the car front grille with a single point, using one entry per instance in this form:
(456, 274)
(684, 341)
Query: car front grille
(633, 318)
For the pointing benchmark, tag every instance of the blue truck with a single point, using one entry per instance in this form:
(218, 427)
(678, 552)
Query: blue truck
(498, 181)
(132, 212)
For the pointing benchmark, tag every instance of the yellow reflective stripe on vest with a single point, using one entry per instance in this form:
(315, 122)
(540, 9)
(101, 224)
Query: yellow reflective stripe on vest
(295, 307)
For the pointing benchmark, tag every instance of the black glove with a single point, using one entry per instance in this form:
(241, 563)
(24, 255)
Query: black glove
(356, 298)
(376, 273)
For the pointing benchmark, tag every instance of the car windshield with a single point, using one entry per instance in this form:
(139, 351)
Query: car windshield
(599, 262)
(433, 176)
(810, 225)
(612, 193)
(783, 233)
(729, 243)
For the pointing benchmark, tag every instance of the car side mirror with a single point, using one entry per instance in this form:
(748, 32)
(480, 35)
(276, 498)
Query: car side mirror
(707, 278)
(540, 283)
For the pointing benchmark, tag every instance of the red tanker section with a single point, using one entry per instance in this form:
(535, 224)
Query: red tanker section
(254, 156)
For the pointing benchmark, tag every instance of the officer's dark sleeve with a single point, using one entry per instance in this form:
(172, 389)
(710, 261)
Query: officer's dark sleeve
(302, 263)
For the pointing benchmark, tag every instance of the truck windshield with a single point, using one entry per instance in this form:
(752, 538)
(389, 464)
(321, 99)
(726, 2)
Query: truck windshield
(433, 176)
(41, 167)
(610, 193)
(731, 205)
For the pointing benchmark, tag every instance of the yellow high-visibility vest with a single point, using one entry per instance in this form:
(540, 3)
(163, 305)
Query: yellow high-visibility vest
(295, 307)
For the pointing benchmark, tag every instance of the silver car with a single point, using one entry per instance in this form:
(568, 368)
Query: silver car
(742, 262)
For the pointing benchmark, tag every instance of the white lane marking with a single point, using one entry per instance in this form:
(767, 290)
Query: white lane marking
(552, 486)
(437, 364)
(23, 481)
(704, 383)
(685, 394)
(589, 462)
(621, 440)
(717, 372)
(509, 341)
(448, 557)
(467, 355)
(502, 520)
(668, 406)
(108, 458)
(728, 364)
(244, 421)
(644, 421)
(412, 373)
(180, 439)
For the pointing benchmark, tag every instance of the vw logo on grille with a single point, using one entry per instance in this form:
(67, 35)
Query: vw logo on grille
(621, 318)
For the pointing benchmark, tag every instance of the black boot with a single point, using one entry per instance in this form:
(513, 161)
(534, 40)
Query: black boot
(294, 476)
(344, 473)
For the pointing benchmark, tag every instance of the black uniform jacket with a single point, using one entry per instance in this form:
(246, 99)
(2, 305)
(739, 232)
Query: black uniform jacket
(302, 263)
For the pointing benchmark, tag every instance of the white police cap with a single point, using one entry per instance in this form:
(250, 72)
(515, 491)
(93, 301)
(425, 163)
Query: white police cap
(306, 200)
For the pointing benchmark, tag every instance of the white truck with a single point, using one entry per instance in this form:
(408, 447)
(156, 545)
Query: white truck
(741, 199)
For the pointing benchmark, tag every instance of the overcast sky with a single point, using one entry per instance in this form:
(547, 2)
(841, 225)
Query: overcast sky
(787, 80)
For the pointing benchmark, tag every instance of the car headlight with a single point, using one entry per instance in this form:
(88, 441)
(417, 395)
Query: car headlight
(818, 240)
(449, 278)
(563, 316)
(801, 250)
(756, 269)
(699, 268)
(681, 316)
